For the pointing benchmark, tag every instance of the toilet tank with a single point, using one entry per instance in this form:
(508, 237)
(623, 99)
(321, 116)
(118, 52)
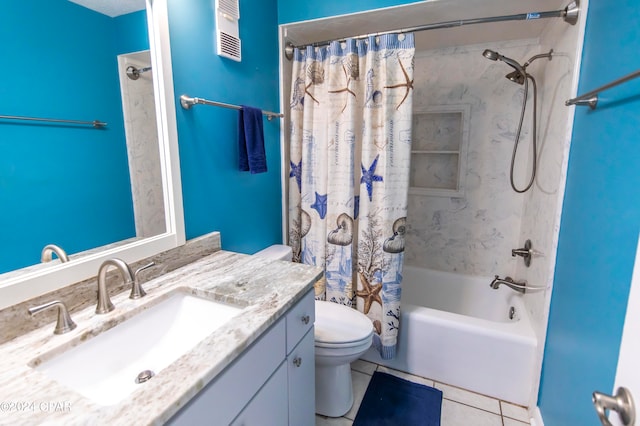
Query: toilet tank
(276, 252)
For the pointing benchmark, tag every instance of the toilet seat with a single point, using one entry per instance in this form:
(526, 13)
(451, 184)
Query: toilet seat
(366, 340)
(339, 326)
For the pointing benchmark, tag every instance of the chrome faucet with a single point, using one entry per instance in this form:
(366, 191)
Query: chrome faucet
(519, 286)
(47, 253)
(104, 301)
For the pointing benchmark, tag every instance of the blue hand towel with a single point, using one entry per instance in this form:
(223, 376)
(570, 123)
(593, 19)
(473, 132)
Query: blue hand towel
(251, 141)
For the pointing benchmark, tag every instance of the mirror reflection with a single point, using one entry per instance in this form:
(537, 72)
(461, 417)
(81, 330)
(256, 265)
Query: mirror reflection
(73, 185)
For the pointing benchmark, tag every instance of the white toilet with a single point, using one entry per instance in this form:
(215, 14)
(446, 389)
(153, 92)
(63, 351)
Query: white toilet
(342, 334)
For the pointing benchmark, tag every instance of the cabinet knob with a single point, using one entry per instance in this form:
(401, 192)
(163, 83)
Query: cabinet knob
(306, 319)
(297, 361)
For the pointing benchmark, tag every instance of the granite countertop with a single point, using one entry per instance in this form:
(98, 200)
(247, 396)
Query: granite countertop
(265, 288)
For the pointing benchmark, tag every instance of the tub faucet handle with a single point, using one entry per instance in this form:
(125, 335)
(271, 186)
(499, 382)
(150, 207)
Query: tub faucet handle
(525, 252)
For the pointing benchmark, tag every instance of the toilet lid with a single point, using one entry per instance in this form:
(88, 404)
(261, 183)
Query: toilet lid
(340, 324)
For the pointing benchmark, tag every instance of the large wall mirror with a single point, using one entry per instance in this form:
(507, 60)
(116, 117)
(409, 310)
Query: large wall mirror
(95, 191)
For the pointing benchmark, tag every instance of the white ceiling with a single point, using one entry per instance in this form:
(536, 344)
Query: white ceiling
(429, 12)
(112, 8)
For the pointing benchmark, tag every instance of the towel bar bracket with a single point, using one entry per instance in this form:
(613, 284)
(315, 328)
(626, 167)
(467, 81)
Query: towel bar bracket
(592, 102)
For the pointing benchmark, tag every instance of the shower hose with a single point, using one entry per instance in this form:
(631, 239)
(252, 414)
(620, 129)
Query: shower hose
(515, 145)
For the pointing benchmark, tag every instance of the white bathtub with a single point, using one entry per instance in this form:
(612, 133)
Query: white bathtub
(455, 329)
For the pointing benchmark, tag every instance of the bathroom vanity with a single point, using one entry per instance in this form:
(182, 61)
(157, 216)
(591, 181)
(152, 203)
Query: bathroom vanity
(271, 383)
(256, 368)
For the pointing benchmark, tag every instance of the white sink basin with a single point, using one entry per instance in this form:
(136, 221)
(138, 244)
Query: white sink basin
(104, 369)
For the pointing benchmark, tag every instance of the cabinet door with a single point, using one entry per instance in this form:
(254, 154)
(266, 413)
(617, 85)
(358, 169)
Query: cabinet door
(302, 382)
(223, 398)
(269, 405)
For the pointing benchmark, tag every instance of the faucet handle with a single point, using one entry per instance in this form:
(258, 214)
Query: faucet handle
(526, 252)
(136, 289)
(64, 323)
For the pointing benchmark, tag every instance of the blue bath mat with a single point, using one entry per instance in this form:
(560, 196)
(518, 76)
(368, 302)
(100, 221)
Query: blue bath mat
(392, 401)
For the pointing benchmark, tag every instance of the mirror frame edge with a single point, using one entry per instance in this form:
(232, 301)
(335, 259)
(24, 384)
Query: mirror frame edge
(30, 285)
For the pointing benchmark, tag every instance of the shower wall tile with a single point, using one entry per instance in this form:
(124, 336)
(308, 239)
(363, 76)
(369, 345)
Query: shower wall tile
(439, 132)
(473, 234)
(434, 171)
(543, 205)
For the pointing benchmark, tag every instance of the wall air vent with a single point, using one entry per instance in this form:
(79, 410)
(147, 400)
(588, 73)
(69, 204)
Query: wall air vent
(227, 35)
(230, 7)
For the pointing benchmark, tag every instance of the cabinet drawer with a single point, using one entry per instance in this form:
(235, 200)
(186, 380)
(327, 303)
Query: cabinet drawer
(300, 319)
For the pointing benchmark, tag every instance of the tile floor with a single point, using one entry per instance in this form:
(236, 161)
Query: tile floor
(459, 407)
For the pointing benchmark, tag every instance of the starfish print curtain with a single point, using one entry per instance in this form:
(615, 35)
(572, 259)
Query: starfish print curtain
(350, 146)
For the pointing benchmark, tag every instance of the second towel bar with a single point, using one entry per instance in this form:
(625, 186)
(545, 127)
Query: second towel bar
(591, 98)
(95, 123)
(187, 102)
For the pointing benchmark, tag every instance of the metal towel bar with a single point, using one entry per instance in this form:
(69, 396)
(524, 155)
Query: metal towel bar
(187, 102)
(95, 123)
(591, 98)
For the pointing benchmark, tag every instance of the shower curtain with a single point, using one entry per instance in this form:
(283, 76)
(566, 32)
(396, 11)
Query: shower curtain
(350, 146)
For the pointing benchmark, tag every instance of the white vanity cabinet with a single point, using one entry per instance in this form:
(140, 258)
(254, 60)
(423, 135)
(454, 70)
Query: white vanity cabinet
(270, 383)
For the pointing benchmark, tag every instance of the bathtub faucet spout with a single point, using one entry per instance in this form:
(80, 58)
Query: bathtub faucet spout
(519, 286)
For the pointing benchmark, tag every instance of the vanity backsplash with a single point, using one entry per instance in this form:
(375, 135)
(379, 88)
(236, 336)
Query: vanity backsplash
(16, 321)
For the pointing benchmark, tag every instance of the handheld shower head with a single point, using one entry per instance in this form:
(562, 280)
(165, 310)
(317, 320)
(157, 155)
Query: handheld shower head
(520, 76)
(512, 63)
(490, 54)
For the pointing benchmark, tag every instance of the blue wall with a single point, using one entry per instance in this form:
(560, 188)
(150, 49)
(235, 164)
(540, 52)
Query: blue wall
(132, 31)
(599, 229)
(295, 10)
(245, 208)
(62, 184)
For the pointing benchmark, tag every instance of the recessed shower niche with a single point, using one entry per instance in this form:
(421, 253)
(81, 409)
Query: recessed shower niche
(438, 153)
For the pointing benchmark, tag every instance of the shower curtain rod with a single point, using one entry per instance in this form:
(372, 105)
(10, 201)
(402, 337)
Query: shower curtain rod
(569, 14)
